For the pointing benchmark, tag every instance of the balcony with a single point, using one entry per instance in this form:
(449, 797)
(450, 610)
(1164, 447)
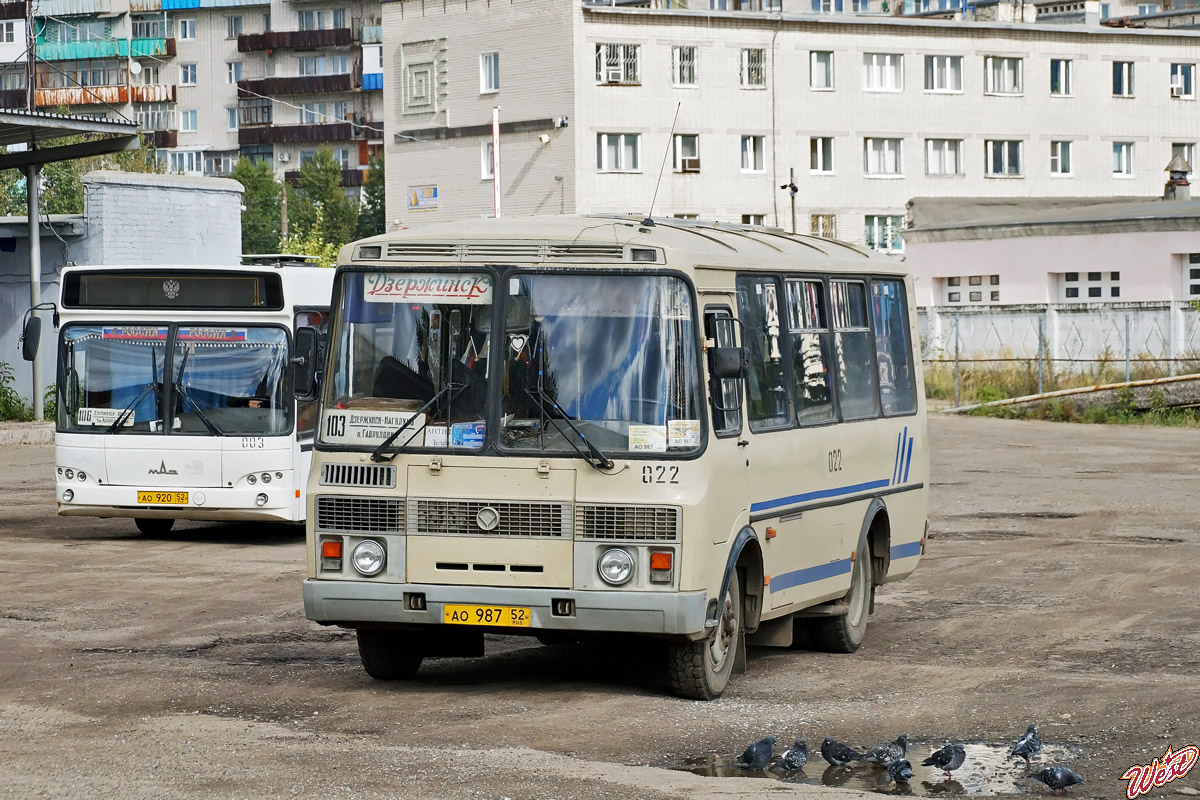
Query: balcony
(306, 84)
(72, 8)
(11, 10)
(108, 48)
(164, 139)
(152, 47)
(372, 81)
(14, 98)
(79, 96)
(291, 134)
(155, 93)
(372, 34)
(350, 177)
(184, 5)
(294, 40)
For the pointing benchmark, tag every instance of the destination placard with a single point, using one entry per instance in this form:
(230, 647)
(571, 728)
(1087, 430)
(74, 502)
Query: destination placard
(383, 287)
(370, 427)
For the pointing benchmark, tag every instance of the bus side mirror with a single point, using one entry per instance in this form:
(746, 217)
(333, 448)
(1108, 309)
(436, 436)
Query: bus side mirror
(31, 337)
(304, 364)
(727, 362)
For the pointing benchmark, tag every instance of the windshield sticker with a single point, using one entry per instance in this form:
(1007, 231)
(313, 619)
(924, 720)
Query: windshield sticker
(683, 433)
(134, 332)
(102, 416)
(648, 438)
(437, 436)
(212, 334)
(381, 287)
(369, 427)
(467, 434)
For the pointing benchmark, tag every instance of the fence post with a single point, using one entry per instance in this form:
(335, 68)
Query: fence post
(956, 361)
(1041, 349)
(1127, 347)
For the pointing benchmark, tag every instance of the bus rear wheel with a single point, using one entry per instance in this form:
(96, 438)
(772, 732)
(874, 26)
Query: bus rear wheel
(390, 655)
(845, 634)
(154, 527)
(701, 670)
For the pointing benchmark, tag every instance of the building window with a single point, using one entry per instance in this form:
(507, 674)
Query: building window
(882, 157)
(233, 27)
(8, 32)
(233, 71)
(186, 162)
(149, 75)
(255, 111)
(883, 232)
(618, 152)
(883, 72)
(342, 156)
(187, 121)
(824, 6)
(943, 157)
(1060, 158)
(683, 66)
(1185, 150)
(823, 225)
(1122, 79)
(1003, 158)
(231, 118)
(323, 65)
(1074, 286)
(951, 289)
(820, 155)
(820, 69)
(187, 29)
(685, 216)
(187, 74)
(1191, 275)
(1183, 81)
(1060, 76)
(752, 153)
(320, 19)
(618, 64)
(1123, 158)
(489, 73)
(753, 69)
(754, 219)
(1002, 75)
(687, 152)
(1105, 10)
(943, 73)
(267, 21)
(1147, 8)
(861, 6)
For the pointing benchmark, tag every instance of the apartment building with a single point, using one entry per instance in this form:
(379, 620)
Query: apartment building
(212, 80)
(861, 113)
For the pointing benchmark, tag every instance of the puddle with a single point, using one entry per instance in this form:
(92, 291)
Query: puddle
(987, 771)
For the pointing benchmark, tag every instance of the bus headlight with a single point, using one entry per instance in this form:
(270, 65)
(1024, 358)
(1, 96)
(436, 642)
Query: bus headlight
(616, 566)
(69, 474)
(250, 479)
(68, 495)
(368, 557)
(261, 499)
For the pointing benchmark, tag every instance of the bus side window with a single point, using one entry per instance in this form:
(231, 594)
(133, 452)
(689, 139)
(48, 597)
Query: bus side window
(892, 347)
(727, 396)
(768, 396)
(857, 379)
(808, 323)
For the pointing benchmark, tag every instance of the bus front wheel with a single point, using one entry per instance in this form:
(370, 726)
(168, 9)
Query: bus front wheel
(390, 655)
(154, 527)
(700, 670)
(845, 633)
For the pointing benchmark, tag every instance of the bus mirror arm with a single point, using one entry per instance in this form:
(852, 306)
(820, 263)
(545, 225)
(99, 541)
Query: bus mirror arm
(304, 364)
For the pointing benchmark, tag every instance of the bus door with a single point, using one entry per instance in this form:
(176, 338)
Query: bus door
(727, 476)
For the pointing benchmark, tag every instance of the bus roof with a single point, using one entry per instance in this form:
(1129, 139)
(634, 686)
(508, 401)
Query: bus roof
(602, 241)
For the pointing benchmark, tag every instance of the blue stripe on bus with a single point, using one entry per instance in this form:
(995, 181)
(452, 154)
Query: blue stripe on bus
(820, 494)
(820, 572)
(896, 466)
(908, 460)
(906, 550)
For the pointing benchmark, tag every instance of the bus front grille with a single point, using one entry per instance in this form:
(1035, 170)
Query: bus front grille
(640, 523)
(378, 476)
(359, 514)
(486, 518)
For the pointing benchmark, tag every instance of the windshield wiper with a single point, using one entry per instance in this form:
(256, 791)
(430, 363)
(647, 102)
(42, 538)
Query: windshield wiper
(119, 422)
(377, 455)
(593, 457)
(183, 392)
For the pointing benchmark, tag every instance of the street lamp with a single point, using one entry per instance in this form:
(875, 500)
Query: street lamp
(791, 187)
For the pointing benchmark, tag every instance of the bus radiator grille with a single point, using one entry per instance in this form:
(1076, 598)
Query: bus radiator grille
(469, 517)
(359, 514)
(377, 476)
(639, 523)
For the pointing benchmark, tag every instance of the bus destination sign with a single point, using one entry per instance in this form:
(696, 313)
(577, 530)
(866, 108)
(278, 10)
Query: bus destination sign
(383, 287)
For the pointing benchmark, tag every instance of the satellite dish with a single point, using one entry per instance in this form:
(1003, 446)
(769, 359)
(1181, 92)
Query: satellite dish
(135, 68)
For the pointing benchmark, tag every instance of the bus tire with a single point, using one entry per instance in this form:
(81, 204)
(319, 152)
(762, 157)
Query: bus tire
(154, 527)
(844, 634)
(389, 655)
(700, 670)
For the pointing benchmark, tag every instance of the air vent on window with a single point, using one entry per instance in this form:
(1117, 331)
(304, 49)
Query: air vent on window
(586, 252)
(370, 475)
(639, 523)
(503, 252)
(414, 251)
(359, 514)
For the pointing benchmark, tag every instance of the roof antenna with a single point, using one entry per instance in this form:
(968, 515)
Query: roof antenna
(649, 220)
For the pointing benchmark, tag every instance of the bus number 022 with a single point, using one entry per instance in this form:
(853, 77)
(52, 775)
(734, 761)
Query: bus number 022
(660, 474)
(835, 460)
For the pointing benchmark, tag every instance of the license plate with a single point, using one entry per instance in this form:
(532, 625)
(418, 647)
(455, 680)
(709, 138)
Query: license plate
(502, 616)
(162, 498)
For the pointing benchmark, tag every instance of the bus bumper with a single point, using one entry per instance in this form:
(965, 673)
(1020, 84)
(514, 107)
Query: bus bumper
(361, 603)
(208, 503)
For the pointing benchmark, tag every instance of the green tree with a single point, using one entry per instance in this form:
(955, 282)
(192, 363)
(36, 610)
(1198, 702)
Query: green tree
(260, 220)
(320, 188)
(309, 241)
(371, 220)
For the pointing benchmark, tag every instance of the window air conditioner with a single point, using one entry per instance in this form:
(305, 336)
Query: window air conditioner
(689, 165)
(613, 75)
(1176, 90)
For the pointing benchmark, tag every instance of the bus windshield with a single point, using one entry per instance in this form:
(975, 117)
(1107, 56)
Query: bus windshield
(223, 381)
(611, 359)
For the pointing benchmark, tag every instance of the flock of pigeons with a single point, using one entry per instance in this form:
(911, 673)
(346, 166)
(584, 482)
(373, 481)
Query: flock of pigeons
(891, 757)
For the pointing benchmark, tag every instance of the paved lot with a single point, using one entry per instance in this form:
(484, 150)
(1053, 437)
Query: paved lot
(1060, 588)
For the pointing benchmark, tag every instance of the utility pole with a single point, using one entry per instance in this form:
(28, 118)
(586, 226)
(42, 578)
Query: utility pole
(31, 56)
(792, 190)
(283, 221)
(496, 187)
(32, 210)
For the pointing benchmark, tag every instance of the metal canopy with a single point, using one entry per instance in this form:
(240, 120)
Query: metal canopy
(24, 127)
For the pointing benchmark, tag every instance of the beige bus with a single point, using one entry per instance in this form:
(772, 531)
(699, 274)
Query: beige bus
(713, 434)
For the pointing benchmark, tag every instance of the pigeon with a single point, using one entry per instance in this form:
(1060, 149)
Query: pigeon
(837, 753)
(1058, 778)
(886, 753)
(758, 755)
(795, 757)
(899, 770)
(948, 759)
(1028, 746)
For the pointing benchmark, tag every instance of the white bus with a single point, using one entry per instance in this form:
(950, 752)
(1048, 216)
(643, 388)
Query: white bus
(177, 395)
(573, 425)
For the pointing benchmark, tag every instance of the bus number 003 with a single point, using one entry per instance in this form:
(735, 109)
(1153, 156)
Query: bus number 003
(660, 474)
(835, 460)
(335, 426)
